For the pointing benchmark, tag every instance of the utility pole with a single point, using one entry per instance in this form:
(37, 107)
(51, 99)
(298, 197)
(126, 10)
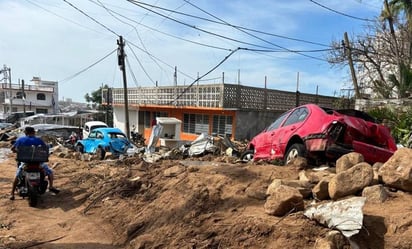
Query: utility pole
(348, 52)
(23, 97)
(297, 91)
(122, 66)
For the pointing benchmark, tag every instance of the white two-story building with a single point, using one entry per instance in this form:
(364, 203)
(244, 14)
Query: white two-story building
(37, 95)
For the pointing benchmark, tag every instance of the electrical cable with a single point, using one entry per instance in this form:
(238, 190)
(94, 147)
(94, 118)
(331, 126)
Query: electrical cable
(208, 72)
(235, 26)
(88, 67)
(62, 17)
(91, 18)
(194, 27)
(141, 65)
(340, 13)
(131, 72)
(271, 43)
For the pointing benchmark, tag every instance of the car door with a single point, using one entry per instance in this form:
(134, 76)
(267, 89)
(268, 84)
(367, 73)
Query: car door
(291, 125)
(92, 142)
(264, 141)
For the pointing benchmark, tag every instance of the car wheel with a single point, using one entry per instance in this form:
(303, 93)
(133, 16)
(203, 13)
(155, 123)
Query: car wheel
(79, 148)
(293, 152)
(247, 156)
(100, 153)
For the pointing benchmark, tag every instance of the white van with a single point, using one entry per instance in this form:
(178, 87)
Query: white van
(89, 126)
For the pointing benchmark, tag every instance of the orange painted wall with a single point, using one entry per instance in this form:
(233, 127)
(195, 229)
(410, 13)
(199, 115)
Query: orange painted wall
(177, 112)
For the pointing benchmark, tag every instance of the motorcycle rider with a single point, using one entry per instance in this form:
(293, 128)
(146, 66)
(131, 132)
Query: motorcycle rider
(28, 140)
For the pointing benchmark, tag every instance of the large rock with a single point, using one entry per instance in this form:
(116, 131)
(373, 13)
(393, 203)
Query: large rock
(350, 181)
(284, 200)
(332, 240)
(315, 176)
(397, 171)
(347, 161)
(321, 190)
(304, 187)
(375, 194)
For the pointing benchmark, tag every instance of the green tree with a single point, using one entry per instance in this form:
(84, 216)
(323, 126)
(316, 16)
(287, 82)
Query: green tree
(382, 56)
(95, 98)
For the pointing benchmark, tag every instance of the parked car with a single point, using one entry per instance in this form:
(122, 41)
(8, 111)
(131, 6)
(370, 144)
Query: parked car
(90, 125)
(321, 135)
(102, 140)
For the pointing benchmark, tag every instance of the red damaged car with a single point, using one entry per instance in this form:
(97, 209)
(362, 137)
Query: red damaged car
(321, 135)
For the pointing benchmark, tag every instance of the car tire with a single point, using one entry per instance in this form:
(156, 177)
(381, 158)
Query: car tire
(100, 153)
(294, 151)
(79, 148)
(247, 156)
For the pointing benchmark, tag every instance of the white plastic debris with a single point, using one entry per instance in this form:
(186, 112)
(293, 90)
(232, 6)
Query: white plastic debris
(203, 143)
(345, 215)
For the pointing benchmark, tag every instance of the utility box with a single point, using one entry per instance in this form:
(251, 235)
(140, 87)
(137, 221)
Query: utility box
(170, 135)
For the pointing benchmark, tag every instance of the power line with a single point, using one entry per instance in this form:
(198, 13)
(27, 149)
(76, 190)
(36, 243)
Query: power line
(91, 18)
(62, 17)
(194, 27)
(235, 26)
(141, 65)
(208, 72)
(271, 43)
(131, 72)
(88, 67)
(340, 13)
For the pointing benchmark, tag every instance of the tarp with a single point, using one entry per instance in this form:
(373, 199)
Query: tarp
(345, 215)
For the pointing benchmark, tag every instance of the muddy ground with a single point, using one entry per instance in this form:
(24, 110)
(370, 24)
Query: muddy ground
(205, 202)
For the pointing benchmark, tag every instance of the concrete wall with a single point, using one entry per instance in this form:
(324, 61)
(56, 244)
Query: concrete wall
(251, 123)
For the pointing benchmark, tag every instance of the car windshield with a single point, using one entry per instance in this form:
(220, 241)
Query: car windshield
(97, 126)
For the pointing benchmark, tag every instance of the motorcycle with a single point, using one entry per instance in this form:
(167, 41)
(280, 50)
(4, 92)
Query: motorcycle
(31, 182)
(73, 138)
(138, 138)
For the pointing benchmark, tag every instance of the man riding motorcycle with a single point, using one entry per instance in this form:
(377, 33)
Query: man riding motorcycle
(28, 140)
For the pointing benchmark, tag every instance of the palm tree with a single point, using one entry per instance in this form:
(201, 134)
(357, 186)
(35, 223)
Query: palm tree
(391, 14)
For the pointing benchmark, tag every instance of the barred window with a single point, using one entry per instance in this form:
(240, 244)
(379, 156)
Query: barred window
(222, 125)
(196, 123)
(146, 117)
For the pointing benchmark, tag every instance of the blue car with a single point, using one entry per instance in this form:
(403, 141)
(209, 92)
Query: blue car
(102, 140)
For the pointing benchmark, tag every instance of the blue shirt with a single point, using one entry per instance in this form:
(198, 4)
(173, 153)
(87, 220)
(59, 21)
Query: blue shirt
(28, 141)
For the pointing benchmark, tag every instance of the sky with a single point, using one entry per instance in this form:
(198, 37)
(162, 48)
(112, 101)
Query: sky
(74, 42)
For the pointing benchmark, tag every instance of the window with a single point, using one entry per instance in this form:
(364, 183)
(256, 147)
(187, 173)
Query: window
(222, 125)
(277, 122)
(146, 117)
(297, 116)
(196, 123)
(41, 96)
(41, 110)
(20, 95)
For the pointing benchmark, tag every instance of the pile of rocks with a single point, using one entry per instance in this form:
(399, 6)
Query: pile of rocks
(351, 176)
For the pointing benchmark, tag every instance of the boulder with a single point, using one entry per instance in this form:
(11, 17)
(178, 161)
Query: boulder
(375, 194)
(397, 171)
(314, 176)
(284, 200)
(321, 190)
(299, 163)
(350, 181)
(332, 240)
(347, 161)
(304, 187)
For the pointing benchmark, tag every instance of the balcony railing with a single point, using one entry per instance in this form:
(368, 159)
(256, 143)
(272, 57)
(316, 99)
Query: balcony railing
(7, 86)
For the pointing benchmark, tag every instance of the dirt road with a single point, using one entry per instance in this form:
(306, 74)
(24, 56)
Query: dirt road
(57, 221)
(206, 202)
